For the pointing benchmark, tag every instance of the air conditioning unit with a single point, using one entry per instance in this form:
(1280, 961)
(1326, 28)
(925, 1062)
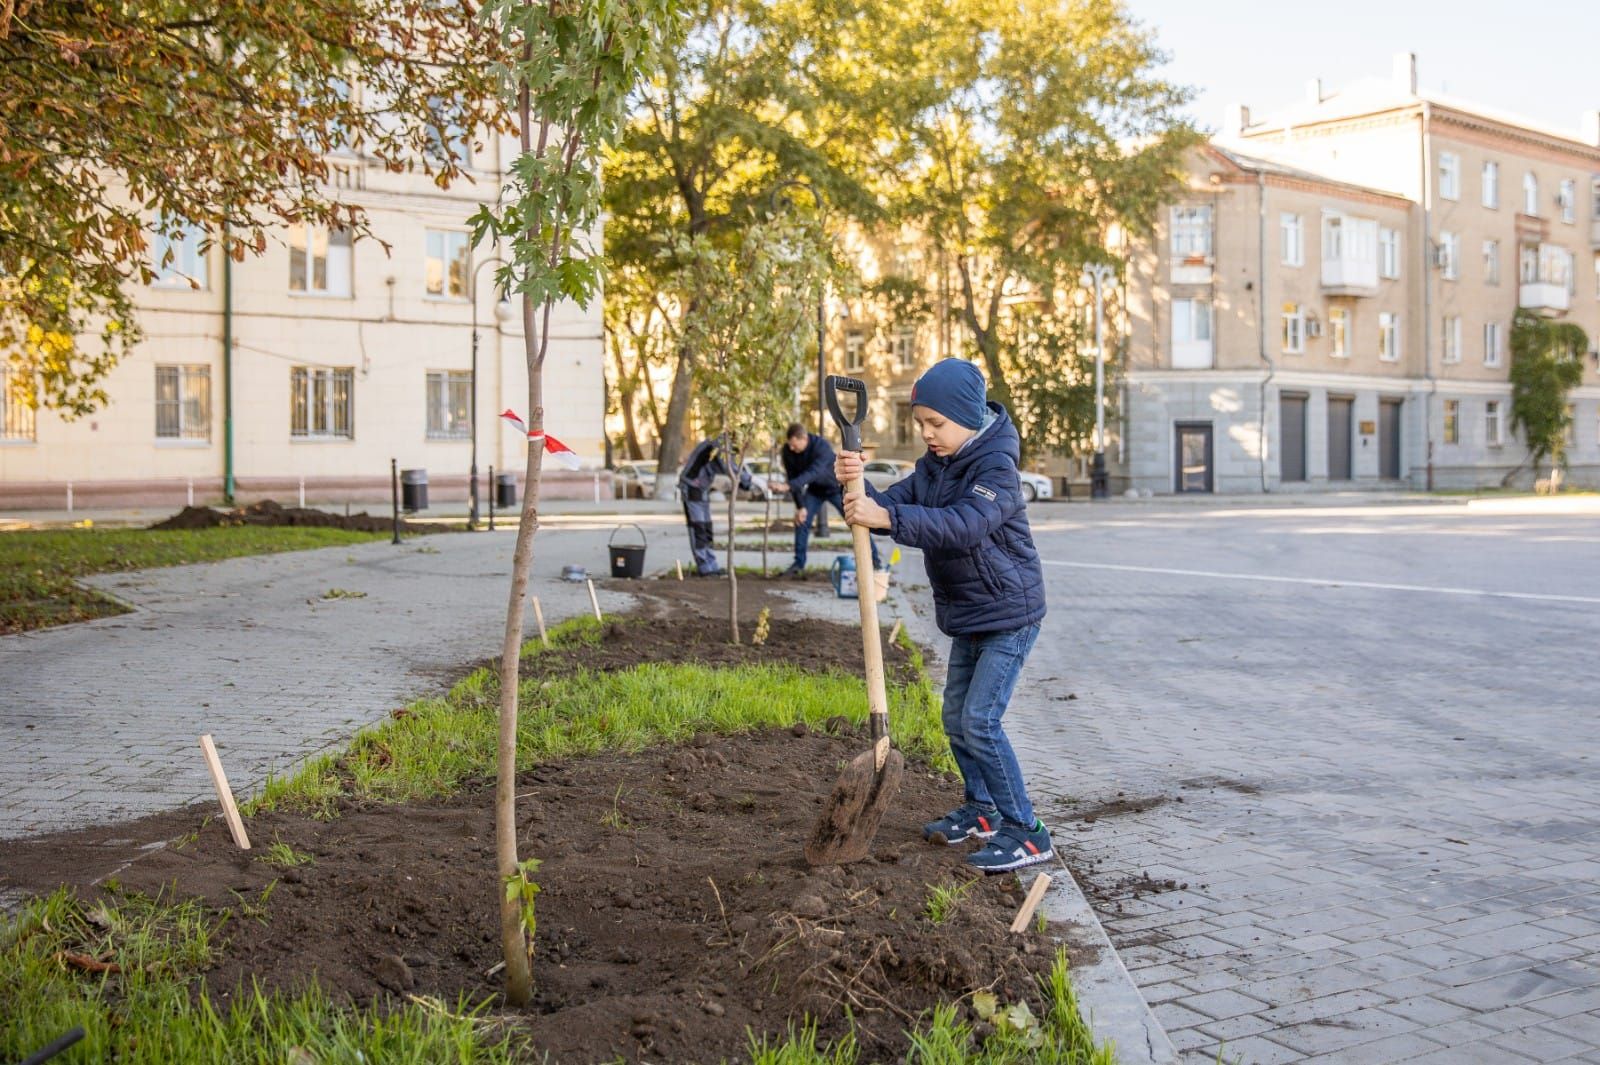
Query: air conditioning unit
(1313, 327)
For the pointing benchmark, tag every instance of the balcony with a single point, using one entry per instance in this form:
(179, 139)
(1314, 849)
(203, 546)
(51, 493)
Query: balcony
(1349, 255)
(1544, 297)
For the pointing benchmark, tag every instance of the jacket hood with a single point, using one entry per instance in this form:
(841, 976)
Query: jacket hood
(1001, 436)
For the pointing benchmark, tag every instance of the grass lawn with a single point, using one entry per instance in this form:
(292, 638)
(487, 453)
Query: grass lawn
(39, 570)
(144, 1012)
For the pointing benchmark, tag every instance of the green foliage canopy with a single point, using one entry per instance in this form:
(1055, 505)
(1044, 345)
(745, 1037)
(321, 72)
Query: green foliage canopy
(1545, 368)
(127, 119)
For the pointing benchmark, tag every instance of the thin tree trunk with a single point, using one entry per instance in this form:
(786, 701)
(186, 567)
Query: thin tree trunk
(730, 462)
(627, 385)
(766, 510)
(672, 431)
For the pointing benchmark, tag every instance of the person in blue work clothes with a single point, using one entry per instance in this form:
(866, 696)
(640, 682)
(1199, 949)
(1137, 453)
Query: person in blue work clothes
(808, 467)
(963, 507)
(705, 463)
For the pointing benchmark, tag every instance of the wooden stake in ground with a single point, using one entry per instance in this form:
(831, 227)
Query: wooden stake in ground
(894, 632)
(224, 795)
(594, 601)
(1031, 903)
(538, 615)
(679, 563)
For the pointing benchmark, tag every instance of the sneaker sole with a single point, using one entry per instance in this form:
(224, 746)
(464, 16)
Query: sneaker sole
(1020, 863)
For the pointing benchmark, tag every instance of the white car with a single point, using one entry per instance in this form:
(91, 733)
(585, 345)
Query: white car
(881, 473)
(1034, 486)
(635, 480)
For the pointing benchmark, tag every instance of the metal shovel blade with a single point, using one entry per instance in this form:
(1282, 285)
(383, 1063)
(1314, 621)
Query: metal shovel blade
(850, 819)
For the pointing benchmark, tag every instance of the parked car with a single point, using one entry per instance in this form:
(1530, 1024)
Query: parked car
(635, 480)
(881, 473)
(759, 488)
(777, 482)
(1034, 486)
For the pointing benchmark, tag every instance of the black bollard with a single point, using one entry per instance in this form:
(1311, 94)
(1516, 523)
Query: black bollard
(494, 490)
(394, 491)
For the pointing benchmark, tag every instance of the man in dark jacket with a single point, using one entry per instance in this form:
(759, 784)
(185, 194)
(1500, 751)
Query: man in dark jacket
(963, 507)
(808, 466)
(705, 463)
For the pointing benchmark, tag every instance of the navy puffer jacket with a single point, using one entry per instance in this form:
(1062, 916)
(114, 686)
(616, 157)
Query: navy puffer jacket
(966, 513)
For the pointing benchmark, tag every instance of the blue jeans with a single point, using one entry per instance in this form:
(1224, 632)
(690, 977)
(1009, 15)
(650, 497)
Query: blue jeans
(982, 675)
(802, 533)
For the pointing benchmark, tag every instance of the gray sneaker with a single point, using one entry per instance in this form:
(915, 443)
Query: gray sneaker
(967, 821)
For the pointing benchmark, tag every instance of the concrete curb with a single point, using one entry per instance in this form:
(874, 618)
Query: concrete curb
(1107, 997)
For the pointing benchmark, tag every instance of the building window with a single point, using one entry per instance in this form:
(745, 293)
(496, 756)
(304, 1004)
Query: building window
(1388, 336)
(1449, 256)
(321, 402)
(450, 405)
(1491, 184)
(183, 403)
(1567, 200)
(1389, 253)
(1452, 338)
(1449, 176)
(1191, 232)
(1491, 262)
(1491, 424)
(1491, 344)
(905, 429)
(1294, 244)
(319, 261)
(855, 347)
(1452, 421)
(449, 256)
(17, 421)
(1191, 334)
(1530, 194)
(446, 138)
(1339, 332)
(177, 259)
(903, 346)
(1294, 329)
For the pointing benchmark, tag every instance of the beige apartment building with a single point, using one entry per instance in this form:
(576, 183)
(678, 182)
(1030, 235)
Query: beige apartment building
(1382, 240)
(332, 358)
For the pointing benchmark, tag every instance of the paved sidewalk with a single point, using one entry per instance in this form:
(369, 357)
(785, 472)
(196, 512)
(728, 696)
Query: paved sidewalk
(1361, 745)
(100, 720)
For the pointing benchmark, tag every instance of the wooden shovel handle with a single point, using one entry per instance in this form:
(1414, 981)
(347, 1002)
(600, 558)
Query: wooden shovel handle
(871, 639)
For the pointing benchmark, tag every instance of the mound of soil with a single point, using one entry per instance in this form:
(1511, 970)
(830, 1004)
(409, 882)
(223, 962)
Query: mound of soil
(268, 512)
(676, 912)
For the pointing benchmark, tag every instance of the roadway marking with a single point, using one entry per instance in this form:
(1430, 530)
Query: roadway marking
(1325, 583)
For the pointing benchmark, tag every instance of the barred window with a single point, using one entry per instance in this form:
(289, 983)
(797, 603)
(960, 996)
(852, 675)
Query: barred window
(18, 423)
(450, 405)
(183, 403)
(322, 402)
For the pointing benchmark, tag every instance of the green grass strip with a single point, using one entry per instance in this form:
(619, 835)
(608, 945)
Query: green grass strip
(436, 744)
(39, 569)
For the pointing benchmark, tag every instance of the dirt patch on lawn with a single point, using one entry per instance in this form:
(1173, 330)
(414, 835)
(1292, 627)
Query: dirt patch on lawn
(268, 512)
(676, 912)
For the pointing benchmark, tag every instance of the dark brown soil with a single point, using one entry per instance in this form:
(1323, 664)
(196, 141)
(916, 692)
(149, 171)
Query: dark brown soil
(676, 912)
(268, 512)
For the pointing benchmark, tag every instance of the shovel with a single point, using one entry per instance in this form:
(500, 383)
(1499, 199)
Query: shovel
(868, 783)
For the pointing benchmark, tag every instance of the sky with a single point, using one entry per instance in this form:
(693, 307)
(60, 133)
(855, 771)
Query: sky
(1543, 66)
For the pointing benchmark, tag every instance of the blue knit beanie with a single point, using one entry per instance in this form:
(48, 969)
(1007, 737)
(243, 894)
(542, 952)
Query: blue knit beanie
(954, 388)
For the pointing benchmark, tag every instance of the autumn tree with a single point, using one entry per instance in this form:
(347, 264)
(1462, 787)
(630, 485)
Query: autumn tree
(1018, 133)
(127, 121)
(753, 96)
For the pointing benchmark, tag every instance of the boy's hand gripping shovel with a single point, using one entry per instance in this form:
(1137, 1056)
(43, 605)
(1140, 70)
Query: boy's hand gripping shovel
(868, 783)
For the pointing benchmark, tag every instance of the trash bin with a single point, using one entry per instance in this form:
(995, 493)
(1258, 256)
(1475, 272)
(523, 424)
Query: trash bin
(505, 490)
(627, 560)
(414, 490)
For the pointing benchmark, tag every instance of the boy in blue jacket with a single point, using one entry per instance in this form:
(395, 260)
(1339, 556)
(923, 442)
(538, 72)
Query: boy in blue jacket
(963, 507)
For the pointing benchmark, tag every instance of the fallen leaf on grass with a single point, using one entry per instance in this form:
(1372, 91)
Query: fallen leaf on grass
(88, 964)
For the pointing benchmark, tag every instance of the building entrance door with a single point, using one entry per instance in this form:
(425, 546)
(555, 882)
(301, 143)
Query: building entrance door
(1389, 439)
(1340, 440)
(1192, 463)
(1292, 427)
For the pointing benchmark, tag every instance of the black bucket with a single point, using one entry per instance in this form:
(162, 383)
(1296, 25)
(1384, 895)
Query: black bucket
(627, 560)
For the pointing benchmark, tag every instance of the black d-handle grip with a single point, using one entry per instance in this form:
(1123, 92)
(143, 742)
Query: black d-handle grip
(849, 428)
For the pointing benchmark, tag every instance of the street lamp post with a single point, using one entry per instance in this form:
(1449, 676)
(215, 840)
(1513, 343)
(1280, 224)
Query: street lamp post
(502, 312)
(1098, 275)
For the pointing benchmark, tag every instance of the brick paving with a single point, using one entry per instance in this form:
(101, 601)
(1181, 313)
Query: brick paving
(1383, 801)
